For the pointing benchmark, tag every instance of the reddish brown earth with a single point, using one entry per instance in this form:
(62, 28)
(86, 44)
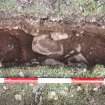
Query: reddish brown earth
(16, 47)
(9, 48)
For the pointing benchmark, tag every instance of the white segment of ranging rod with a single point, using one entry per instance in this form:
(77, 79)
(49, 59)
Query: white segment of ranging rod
(54, 80)
(104, 81)
(2, 80)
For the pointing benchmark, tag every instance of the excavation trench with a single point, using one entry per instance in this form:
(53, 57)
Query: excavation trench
(51, 43)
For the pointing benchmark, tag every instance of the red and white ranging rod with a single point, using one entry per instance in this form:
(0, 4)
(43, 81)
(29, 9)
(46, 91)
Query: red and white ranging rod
(38, 80)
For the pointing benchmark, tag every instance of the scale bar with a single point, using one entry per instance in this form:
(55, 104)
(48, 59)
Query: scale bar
(53, 80)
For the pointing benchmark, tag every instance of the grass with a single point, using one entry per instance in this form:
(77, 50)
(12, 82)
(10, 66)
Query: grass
(54, 94)
(67, 8)
(45, 71)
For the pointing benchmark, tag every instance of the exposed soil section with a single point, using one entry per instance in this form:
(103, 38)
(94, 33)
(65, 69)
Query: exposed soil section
(54, 41)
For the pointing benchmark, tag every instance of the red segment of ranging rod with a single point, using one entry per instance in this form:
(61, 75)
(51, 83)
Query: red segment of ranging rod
(20, 80)
(88, 80)
(53, 80)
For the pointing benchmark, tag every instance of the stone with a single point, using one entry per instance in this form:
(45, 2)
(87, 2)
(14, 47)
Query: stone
(46, 46)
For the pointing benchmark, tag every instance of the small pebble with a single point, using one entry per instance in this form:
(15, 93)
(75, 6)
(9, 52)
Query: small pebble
(93, 20)
(52, 95)
(84, 70)
(77, 35)
(72, 95)
(95, 89)
(18, 97)
(79, 88)
(4, 87)
(21, 74)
